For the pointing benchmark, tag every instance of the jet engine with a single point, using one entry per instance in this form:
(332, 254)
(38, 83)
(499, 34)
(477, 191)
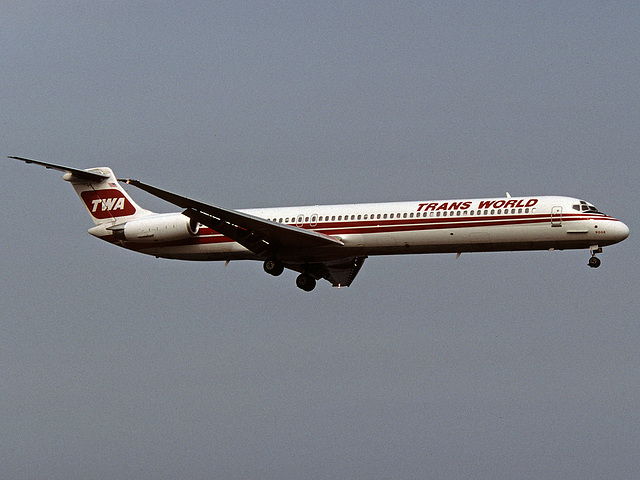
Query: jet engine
(157, 228)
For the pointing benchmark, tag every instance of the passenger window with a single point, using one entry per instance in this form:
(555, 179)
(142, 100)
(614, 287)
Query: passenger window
(365, 216)
(339, 217)
(411, 214)
(384, 216)
(333, 218)
(359, 217)
(437, 214)
(391, 216)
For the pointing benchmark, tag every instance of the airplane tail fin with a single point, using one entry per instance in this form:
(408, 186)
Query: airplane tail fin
(105, 199)
(102, 195)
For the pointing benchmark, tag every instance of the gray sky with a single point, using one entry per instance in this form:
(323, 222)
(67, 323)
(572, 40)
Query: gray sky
(513, 365)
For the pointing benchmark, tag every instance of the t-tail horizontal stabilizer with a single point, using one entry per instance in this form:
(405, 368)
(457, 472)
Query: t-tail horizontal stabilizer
(75, 172)
(102, 195)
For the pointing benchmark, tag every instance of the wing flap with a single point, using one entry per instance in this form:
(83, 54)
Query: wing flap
(339, 273)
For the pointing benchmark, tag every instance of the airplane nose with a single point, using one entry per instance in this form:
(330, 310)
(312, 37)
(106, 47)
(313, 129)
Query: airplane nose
(621, 231)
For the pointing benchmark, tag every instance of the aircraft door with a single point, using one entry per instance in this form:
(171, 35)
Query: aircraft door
(556, 216)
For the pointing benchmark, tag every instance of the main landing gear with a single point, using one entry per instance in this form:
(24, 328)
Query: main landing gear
(273, 267)
(594, 262)
(304, 281)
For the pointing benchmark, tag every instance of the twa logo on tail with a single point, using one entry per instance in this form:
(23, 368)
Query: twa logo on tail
(107, 203)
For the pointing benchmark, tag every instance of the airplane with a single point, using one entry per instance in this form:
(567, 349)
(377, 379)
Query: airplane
(331, 242)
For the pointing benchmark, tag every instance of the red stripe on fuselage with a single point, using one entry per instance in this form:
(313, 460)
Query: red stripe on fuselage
(350, 227)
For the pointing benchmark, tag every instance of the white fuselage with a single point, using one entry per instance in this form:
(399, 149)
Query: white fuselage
(456, 226)
(331, 242)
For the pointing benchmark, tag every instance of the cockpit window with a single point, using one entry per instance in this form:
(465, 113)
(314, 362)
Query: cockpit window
(585, 207)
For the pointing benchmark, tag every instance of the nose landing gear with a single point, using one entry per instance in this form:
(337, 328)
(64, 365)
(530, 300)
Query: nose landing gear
(594, 262)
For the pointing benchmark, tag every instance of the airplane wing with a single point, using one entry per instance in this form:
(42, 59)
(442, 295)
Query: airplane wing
(256, 234)
(80, 174)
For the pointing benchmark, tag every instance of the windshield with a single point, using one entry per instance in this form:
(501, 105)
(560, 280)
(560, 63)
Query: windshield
(585, 207)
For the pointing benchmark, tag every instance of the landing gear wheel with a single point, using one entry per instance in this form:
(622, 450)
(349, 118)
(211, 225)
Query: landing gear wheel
(594, 262)
(273, 267)
(306, 282)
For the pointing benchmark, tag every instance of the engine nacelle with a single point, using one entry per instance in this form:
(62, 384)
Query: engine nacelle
(157, 228)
